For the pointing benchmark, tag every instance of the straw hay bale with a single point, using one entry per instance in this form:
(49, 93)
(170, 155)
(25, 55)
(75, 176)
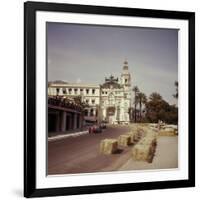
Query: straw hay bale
(108, 146)
(132, 136)
(124, 140)
(148, 141)
(145, 148)
(167, 132)
(139, 134)
(141, 152)
(171, 126)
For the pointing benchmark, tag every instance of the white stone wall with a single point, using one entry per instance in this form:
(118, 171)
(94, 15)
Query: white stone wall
(110, 97)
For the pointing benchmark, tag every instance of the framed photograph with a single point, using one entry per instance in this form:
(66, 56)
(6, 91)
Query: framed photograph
(109, 99)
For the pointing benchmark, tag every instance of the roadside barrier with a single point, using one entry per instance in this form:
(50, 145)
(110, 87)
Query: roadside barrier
(108, 146)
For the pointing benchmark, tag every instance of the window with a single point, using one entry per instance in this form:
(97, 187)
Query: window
(86, 112)
(87, 91)
(126, 80)
(57, 91)
(93, 91)
(64, 91)
(91, 112)
(81, 91)
(102, 92)
(93, 101)
(70, 90)
(75, 91)
(111, 99)
(87, 101)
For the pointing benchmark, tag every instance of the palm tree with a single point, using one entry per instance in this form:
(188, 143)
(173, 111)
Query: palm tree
(135, 90)
(176, 85)
(141, 99)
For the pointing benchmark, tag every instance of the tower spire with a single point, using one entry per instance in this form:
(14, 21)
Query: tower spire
(125, 67)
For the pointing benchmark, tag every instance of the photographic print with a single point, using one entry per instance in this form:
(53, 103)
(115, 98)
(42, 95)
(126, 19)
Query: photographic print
(109, 99)
(112, 98)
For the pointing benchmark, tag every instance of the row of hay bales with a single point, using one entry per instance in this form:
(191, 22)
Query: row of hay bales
(110, 146)
(168, 132)
(145, 141)
(145, 149)
(165, 130)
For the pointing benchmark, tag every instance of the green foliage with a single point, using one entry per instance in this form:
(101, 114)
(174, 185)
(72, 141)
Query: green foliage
(155, 108)
(176, 94)
(159, 109)
(141, 99)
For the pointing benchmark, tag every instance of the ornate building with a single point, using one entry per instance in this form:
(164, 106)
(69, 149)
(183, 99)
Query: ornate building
(115, 97)
(109, 101)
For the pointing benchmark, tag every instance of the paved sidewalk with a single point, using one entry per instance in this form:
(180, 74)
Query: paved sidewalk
(66, 135)
(166, 156)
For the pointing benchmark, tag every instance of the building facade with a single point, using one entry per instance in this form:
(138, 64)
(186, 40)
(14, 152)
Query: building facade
(116, 97)
(64, 114)
(89, 94)
(109, 101)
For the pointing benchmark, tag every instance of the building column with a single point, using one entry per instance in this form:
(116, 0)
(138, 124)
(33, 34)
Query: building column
(71, 121)
(75, 121)
(58, 122)
(94, 112)
(63, 121)
(104, 114)
(80, 121)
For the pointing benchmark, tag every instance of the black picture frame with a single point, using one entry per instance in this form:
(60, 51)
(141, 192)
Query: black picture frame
(30, 9)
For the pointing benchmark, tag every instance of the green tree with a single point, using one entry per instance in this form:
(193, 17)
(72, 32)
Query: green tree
(158, 109)
(155, 97)
(176, 94)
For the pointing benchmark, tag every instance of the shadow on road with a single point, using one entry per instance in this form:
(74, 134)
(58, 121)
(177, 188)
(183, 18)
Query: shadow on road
(118, 151)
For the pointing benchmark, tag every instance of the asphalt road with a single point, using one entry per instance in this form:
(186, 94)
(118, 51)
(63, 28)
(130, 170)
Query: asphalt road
(81, 154)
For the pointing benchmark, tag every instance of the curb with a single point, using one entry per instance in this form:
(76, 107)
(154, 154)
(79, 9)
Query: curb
(58, 137)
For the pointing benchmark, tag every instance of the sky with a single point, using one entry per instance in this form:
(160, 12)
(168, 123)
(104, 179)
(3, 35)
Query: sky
(88, 53)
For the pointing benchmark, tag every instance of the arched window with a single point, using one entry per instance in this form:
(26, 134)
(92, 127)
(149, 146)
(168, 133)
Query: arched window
(64, 90)
(111, 99)
(57, 91)
(91, 112)
(86, 112)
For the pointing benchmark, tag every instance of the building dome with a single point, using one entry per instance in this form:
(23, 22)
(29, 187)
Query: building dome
(111, 82)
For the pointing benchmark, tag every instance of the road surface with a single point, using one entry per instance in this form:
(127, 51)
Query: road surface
(81, 154)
